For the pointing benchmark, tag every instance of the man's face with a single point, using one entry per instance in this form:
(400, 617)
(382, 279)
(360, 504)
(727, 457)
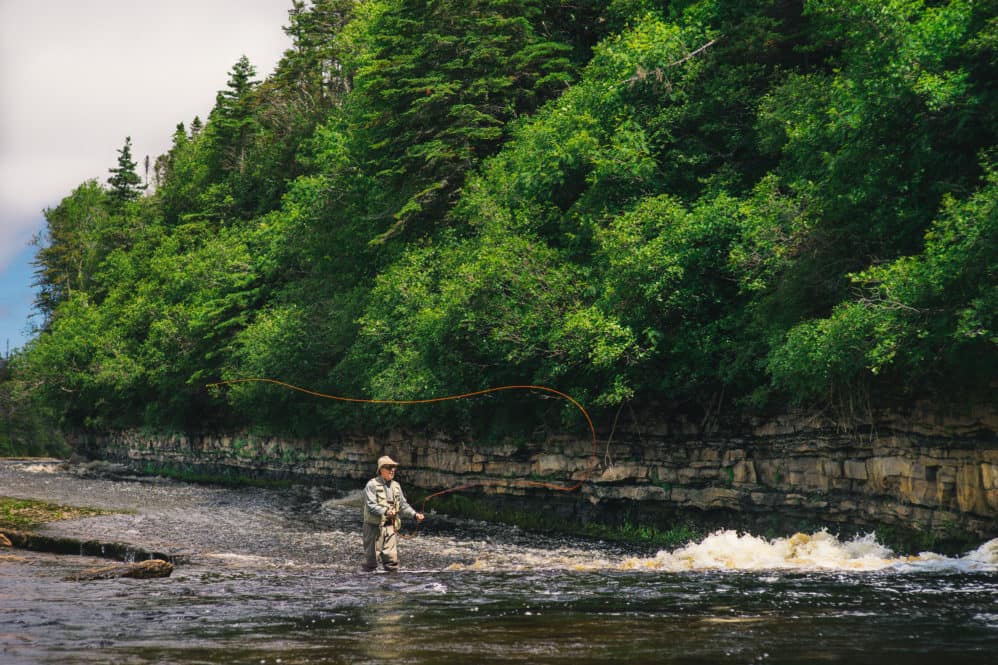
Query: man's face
(388, 472)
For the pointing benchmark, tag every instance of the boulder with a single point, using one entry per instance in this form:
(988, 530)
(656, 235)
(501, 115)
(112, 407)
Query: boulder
(141, 570)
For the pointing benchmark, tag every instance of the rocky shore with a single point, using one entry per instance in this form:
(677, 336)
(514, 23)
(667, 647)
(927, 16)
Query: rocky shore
(923, 472)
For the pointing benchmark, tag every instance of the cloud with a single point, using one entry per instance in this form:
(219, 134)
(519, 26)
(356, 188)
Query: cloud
(76, 78)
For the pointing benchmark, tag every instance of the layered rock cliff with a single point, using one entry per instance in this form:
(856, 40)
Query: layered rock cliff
(934, 474)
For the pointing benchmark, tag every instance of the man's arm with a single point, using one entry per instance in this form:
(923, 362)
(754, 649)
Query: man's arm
(408, 510)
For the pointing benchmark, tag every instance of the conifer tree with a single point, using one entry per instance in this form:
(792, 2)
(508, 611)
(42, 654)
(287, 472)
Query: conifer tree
(231, 122)
(435, 105)
(164, 163)
(125, 182)
(313, 68)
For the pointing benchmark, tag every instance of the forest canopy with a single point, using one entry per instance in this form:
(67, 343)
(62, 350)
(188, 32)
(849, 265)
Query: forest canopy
(688, 205)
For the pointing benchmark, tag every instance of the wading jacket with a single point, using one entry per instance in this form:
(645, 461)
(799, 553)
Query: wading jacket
(379, 496)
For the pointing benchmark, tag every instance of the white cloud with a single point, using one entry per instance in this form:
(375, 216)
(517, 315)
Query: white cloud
(77, 77)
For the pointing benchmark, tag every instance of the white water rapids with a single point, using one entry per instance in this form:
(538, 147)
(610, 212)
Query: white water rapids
(273, 576)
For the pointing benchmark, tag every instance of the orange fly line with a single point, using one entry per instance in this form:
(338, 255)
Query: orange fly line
(446, 398)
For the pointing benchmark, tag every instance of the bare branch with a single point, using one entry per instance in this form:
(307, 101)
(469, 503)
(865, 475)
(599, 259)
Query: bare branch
(694, 53)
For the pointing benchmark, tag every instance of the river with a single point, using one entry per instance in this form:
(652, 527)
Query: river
(272, 576)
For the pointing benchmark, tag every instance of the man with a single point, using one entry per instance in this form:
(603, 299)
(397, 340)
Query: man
(384, 504)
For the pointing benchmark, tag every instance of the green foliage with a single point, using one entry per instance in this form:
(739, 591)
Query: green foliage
(181, 176)
(913, 317)
(24, 514)
(232, 123)
(642, 534)
(124, 181)
(28, 424)
(314, 67)
(429, 108)
(75, 243)
(698, 205)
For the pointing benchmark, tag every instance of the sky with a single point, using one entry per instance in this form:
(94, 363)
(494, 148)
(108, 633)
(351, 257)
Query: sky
(78, 76)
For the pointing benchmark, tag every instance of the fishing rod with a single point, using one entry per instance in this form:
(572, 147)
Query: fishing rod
(558, 487)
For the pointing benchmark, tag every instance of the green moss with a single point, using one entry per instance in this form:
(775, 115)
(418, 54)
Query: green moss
(25, 514)
(243, 448)
(627, 532)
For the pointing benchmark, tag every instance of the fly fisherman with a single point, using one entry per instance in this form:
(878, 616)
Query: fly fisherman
(384, 504)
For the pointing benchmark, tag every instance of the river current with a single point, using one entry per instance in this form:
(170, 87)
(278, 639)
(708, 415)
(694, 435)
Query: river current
(272, 576)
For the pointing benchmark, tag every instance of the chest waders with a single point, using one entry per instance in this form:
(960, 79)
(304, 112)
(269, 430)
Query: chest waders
(380, 533)
(392, 499)
(389, 498)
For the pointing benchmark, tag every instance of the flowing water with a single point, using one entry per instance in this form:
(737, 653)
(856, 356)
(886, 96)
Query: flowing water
(273, 577)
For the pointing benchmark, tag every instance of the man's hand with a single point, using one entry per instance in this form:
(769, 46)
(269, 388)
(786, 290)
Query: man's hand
(420, 517)
(390, 514)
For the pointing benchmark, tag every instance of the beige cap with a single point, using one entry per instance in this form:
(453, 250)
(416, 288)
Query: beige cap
(385, 460)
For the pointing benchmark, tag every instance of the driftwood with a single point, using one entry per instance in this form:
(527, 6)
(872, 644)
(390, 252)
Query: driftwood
(142, 570)
(5, 541)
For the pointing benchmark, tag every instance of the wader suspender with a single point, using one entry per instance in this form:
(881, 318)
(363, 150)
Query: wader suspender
(394, 503)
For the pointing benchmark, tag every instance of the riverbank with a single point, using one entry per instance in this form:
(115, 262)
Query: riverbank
(21, 519)
(920, 480)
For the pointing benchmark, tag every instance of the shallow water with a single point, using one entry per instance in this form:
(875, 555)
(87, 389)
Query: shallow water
(272, 576)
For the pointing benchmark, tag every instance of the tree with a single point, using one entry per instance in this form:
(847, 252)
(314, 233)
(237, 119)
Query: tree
(314, 69)
(717, 204)
(231, 122)
(125, 182)
(181, 175)
(431, 107)
(70, 250)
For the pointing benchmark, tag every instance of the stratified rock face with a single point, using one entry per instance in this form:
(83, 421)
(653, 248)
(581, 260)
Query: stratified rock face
(924, 471)
(142, 570)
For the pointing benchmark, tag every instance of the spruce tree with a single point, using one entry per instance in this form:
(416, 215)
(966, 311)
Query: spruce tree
(434, 105)
(313, 69)
(232, 122)
(125, 182)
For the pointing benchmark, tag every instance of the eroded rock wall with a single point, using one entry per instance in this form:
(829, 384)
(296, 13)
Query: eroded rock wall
(920, 471)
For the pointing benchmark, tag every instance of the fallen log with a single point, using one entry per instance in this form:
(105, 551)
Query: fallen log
(142, 570)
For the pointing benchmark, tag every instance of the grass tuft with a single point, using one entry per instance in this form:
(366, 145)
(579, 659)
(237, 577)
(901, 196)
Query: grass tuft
(26, 514)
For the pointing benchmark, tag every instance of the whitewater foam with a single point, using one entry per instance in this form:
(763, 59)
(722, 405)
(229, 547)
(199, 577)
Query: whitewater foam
(353, 499)
(41, 468)
(732, 551)
(820, 551)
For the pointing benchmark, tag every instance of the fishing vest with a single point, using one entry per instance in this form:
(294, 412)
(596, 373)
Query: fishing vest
(387, 497)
